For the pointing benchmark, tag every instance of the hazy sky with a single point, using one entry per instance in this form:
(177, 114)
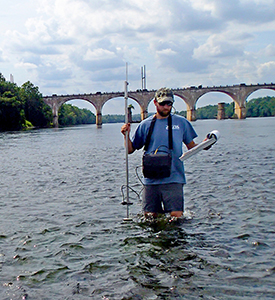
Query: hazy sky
(82, 46)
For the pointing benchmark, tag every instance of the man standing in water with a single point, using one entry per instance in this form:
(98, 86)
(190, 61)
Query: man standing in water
(163, 195)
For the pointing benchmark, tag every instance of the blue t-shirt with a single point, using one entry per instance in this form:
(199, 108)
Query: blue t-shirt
(182, 132)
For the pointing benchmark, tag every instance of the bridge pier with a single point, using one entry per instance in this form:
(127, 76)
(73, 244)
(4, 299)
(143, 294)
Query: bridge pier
(191, 114)
(144, 115)
(55, 121)
(240, 111)
(221, 111)
(98, 119)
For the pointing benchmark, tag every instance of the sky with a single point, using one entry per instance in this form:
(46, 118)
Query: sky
(82, 46)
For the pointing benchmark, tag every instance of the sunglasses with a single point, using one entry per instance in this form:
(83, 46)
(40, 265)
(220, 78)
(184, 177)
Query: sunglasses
(166, 103)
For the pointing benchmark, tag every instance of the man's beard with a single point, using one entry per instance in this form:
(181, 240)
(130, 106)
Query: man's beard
(164, 113)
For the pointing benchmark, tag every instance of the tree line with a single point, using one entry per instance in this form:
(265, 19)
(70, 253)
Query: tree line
(72, 115)
(23, 107)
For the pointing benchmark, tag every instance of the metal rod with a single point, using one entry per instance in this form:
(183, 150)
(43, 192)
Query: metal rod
(143, 78)
(142, 87)
(127, 139)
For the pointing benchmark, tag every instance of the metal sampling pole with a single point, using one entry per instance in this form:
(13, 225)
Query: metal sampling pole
(126, 141)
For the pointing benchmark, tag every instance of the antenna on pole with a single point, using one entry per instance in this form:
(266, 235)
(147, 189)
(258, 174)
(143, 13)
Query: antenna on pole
(126, 144)
(143, 78)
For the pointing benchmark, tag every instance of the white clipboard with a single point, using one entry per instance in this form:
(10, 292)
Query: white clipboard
(212, 138)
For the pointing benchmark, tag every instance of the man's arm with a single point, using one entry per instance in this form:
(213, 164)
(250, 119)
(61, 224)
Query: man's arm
(126, 128)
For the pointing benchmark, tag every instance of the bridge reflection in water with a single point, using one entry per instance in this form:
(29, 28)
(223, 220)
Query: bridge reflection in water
(238, 93)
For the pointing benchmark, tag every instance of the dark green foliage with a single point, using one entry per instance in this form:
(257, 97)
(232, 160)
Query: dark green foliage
(6, 86)
(20, 106)
(36, 110)
(261, 107)
(229, 110)
(182, 113)
(113, 118)
(72, 115)
(119, 118)
(12, 115)
(207, 112)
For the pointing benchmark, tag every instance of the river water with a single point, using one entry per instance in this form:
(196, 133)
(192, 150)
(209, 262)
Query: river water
(62, 233)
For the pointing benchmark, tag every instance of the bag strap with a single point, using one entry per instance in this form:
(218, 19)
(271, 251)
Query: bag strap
(170, 135)
(151, 128)
(147, 141)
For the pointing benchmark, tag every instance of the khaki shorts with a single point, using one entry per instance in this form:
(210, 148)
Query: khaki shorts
(163, 198)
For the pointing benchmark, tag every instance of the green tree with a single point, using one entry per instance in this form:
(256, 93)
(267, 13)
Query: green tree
(261, 107)
(207, 112)
(12, 115)
(229, 110)
(36, 110)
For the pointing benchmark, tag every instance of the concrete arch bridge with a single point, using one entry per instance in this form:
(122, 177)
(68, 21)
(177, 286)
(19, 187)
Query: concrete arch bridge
(238, 93)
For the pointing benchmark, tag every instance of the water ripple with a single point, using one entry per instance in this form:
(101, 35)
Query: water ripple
(62, 234)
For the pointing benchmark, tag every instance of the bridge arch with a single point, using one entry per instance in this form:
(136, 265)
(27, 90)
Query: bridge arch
(245, 91)
(83, 99)
(239, 102)
(225, 97)
(215, 91)
(118, 103)
(213, 97)
(83, 104)
(191, 110)
(219, 99)
(260, 91)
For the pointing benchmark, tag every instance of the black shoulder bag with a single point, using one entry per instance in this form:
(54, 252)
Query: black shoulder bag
(157, 164)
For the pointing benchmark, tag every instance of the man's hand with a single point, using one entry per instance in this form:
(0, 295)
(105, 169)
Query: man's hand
(208, 147)
(125, 128)
(191, 145)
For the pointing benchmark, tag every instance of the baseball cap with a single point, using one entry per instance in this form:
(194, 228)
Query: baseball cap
(164, 94)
